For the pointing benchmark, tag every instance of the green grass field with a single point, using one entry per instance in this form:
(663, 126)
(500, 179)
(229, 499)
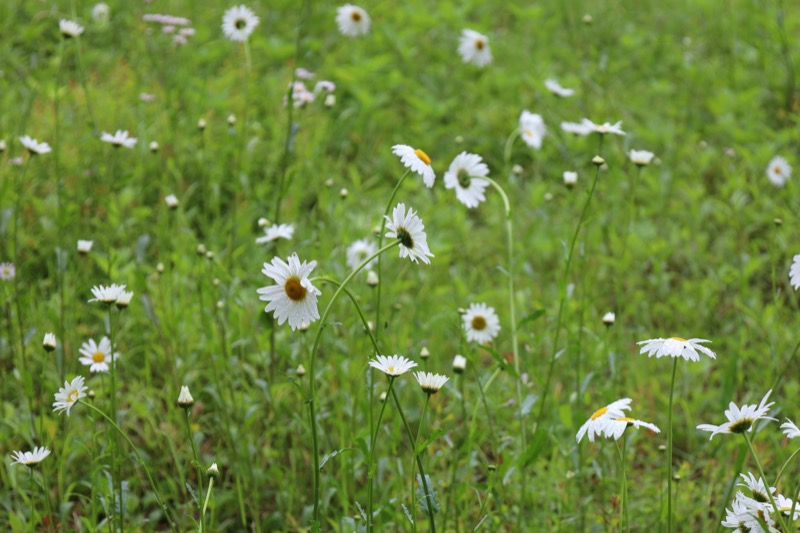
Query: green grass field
(697, 244)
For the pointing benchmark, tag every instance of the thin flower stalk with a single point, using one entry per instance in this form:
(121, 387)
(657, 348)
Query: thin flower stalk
(371, 464)
(778, 514)
(416, 459)
(670, 519)
(624, 523)
(197, 466)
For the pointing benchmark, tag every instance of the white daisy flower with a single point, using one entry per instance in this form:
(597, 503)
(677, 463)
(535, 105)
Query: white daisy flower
(570, 178)
(790, 429)
(459, 364)
(740, 419)
(293, 297)
(743, 516)
(599, 419)
(576, 128)
(605, 128)
(392, 365)
(30, 458)
(757, 487)
(185, 397)
(480, 323)
(69, 28)
(416, 160)
(69, 394)
(98, 357)
(101, 13)
(641, 158)
(615, 427)
(35, 147)
(778, 171)
(275, 232)
(7, 271)
(358, 252)
(532, 129)
(473, 47)
(352, 20)
(785, 505)
(49, 342)
(239, 22)
(172, 201)
(120, 138)
(410, 231)
(676, 347)
(124, 299)
(794, 272)
(431, 383)
(609, 318)
(464, 176)
(106, 294)
(554, 87)
(84, 247)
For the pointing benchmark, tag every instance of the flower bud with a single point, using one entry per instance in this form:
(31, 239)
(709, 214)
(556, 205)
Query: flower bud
(49, 342)
(185, 399)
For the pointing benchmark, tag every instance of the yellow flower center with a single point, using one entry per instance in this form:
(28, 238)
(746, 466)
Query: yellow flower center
(600, 412)
(356, 16)
(294, 290)
(478, 323)
(678, 339)
(479, 44)
(73, 397)
(390, 369)
(98, 357)
(423, 156)
(625, 419)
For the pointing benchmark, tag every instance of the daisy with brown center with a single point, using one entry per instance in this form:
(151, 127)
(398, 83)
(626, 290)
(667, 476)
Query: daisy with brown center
(352, 20)
(239, 22)
(431, 383)
(480, 323)
(32, 458)
(779, 171)
(473, 47)
(464, 175)
(407, 228)
(293, 298)
(741, 419)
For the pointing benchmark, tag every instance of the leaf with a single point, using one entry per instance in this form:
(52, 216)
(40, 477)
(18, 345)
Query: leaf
(500, 360)
(436, 434)
(423, 499)
(408, 513)
(530, 318)
(331, 455)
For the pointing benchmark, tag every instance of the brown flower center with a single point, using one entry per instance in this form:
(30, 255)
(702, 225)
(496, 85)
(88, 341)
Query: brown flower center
(356, 16)
(294, 290)
(478, 322)
(479, 44)
(776, 170)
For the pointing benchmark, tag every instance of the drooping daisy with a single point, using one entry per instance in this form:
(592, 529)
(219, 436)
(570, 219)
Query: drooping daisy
(431, 383)
(480, 323)
(676, 347)
(416, 160)
(32, 458)
(239, 22)
(358, 252)
(605, 128)
(554, 87)
(69, 28)
(352, 20)
(615, 427)
(98, 357)
(742, 517)
(778, 171)
(106, 294)
(740, 419)
(464, 176)
(459, 364)
(641, 158)
(532, 129)
(473, 47)
(609, 318)
(275, 232)
(392, 365)
(599, 419)
(790, 429)
(785, 505)
(49, 342)
(7, 271)
(293, 297)
(410, 231)
(35, 147)
(576, 128)
(120, 139)
(69, 394)
(794, 272)
(172, 201)
(757, 487)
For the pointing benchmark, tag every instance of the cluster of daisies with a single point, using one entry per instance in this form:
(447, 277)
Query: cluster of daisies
(179, 27)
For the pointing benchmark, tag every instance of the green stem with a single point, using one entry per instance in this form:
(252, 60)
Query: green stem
(624, 525)
(46, 495)
(85, 86)
(208, 495)
(197, 465)
(789, 460)
(488, 494)
(416, 456)
(117, 481)
(371, 464)
(670, 524)
(508, 146)
(160, 502)
(779, 515)
(786, 367)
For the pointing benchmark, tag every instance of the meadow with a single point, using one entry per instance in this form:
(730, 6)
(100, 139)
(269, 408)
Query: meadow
(219, 222)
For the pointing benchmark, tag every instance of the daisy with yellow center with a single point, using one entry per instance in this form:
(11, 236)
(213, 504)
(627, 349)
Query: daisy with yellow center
(392, 365)
(600, 418)
(480, 323)
(532, 129)
(69, 394)
(417, 161)
(779, 171)
(293, 298)
(676, 347)
(98, 356)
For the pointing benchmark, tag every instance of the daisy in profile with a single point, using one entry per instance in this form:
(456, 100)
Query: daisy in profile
(785, 505)
(106, 294)
(554, 87)
(417, 161)
(615, 427)
(576, 128)
(605, 128)
(7, 271)
(69, 394)
(30, 459)
(473, 47)
(480, 323)
(410, 231)
(464, 175)
(275, 232)
(532, 129)
(120, 139)
(676, 347)
(641, 158)
(744, 515)
(794, 272)
(293, 297)
(98, 357)
(35, 147)
(779, 171)
(431, 383)
(69, 28)
(358, 252)
(740, 419)
(597, 422)
(352, 20)
(239, 22)
(790, 429)
(392, 365)
(757, 487)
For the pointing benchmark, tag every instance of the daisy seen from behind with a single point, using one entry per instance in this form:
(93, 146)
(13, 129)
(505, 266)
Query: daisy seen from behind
(239, 22)
(293, 298)
(604, 128)
(107, 294)
(790, 429)
(676, 347)
(98, 357)
(597, 422)
(641, 158)
(392, 365)
(794, 272)
(417, 161)
(758, 488)
(576, 128)
(615, 427)
(31, 458)
(779, 171)
(352, 20)
(69, 28)
(121, 138)
(275, 232)
(740, 419)
(429, 382)
(473, 47)
(532, 129)
(480, 323)
(410, 231)
(464, 175)
(35, 147)
(69, 394)
(359, 251)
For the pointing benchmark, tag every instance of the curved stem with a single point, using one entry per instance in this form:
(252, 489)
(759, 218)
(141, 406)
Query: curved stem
(786, 367)
(371, 464)
(208, 495)
(789, 460)
(669, 446)
(778, 514)
(508, 146)
(357, 306)
(138, 458)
